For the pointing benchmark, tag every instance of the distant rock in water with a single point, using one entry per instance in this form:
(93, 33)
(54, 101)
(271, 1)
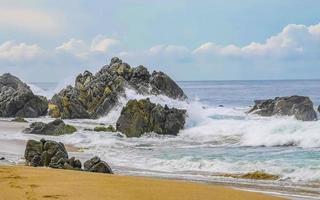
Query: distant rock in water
(142, 116)
(299, 106)
(56, 127)
(319, 109)
(19, 119)
(95, 95)
(17, 99)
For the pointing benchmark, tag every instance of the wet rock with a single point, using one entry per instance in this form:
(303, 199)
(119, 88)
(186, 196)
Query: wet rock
(95, 164)
(95, 95)
(19, 119)
(56, 127)
(2, 158)
(319, 109)
(109, 128)
(142, 116)
(163, 84)
(17, 99)
(299, 106)
(44, 153)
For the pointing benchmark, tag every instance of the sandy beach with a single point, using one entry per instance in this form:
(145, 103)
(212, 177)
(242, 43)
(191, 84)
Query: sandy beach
(20, 182)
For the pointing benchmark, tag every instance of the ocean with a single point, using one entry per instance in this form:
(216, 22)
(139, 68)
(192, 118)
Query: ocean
(219, 137)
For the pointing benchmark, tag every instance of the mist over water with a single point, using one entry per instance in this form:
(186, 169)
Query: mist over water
(219, 136)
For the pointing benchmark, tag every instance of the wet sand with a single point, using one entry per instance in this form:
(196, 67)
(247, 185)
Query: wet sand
(20, 182)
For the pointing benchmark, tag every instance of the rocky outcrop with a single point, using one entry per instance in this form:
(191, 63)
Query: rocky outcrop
(45, 153)
(95, 164)
(319, 109)
(53, 154)
(56, 127)
(299, 106)
(17, 99)
(95, 95)
(142, 116)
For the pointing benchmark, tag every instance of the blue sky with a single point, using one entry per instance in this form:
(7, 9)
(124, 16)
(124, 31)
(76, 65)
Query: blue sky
(47, 40)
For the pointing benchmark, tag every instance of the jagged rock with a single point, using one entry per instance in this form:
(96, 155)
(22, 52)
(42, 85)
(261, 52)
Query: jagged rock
(56, 127)
(95, 95)
(17, 99)
(299, 106)
(319, 109)
(44, 153)
(95, 164)
(142, 116)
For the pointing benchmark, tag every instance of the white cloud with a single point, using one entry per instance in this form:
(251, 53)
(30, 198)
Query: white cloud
(76, 47)
(30, 20)
(13, 51)
(103, 44)
(293, 41)
(82, 49)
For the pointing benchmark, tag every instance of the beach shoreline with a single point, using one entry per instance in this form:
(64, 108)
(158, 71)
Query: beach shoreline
(19, 182)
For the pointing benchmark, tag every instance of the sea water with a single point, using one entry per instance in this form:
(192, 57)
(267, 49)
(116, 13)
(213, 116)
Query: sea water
(219, 137)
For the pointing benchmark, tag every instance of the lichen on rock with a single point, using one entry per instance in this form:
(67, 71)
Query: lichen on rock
(95, 95)
(142, 116)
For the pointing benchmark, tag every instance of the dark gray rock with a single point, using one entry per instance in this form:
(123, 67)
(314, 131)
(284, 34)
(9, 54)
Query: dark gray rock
(95, 164)
(319, 109)
(142, 116)
(299, 106)
(17, 99)
(163, 84)
(44, 153)
(56, 127)
(95, 95)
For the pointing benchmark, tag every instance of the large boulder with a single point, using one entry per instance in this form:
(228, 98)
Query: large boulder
(95, 164)
(299, 106)
(142, 116)
(95, 95)
(17, 99)
(56, 127)
(49, 153)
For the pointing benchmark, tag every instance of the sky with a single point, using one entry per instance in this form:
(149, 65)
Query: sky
(54, 40)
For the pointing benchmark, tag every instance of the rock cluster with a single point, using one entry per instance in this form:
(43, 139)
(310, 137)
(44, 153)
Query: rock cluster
(53, 154)
(95, 95)
(17, 99)
(299, 106)
(56, 127)
(142, 116)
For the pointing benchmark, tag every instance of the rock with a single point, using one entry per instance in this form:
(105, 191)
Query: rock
(17, 99)
(95, 95)
(44, 153)
(109, 128)
(163, 84)
(53, 154)
(2, 158)
(142, 116)
(97, 165)
(319, 109)
(56, 127)
(299, 106)
(19, 119)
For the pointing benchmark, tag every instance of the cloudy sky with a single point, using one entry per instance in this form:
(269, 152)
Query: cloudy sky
(52, 40)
